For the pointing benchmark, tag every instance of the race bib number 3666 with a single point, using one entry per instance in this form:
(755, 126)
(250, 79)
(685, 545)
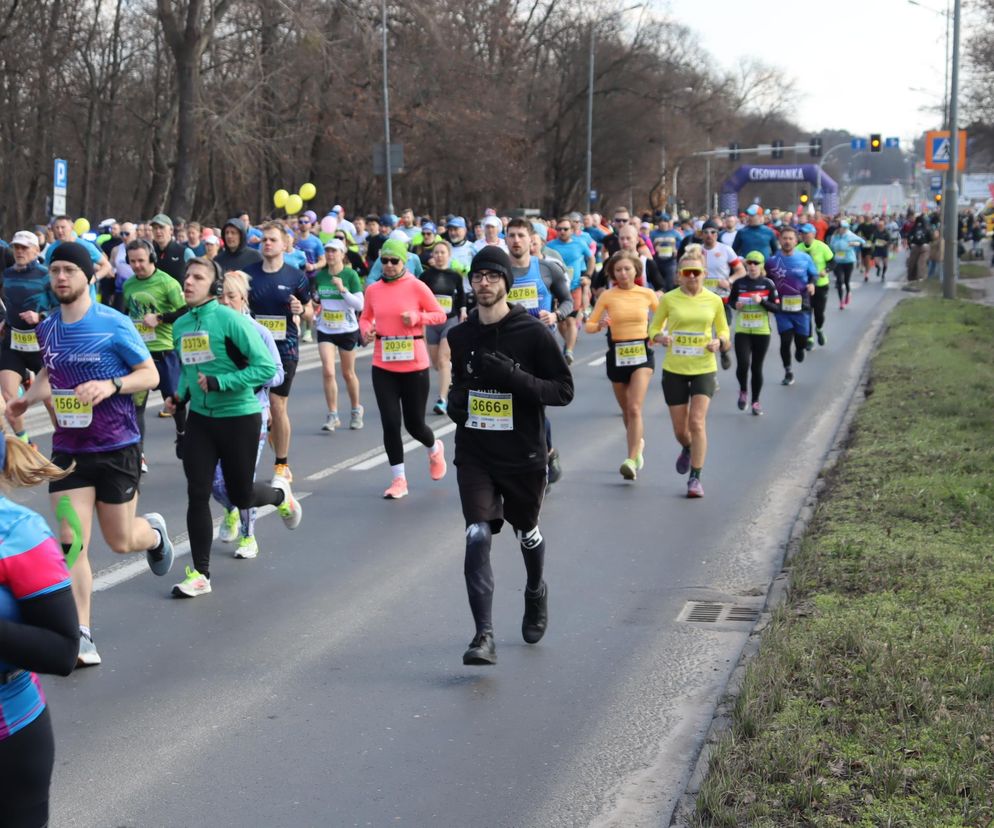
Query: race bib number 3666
(490, 411)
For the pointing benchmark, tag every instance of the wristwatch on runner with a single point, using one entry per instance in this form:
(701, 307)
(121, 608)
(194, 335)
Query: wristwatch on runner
(117, 385)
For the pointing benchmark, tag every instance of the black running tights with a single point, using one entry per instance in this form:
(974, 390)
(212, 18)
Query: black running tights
(818, 302)
(799, 341)
(750, 351)
(402, 393)
(234, 442)
(26, 761)
(843, 273)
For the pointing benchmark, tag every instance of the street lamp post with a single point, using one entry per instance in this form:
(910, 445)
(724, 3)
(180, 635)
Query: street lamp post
(590, 118)
(950, 198)
(386, 118)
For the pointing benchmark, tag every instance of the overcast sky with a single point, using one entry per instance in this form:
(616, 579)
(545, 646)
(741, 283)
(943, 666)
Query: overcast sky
(888, 55)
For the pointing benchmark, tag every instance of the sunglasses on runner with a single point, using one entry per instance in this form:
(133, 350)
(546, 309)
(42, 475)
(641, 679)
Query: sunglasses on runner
(565, 229)
(691, 271)
(389, 260)
(303, 221)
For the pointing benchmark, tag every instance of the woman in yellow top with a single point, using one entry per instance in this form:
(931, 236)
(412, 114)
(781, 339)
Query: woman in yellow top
(695, 330)
(625, 310)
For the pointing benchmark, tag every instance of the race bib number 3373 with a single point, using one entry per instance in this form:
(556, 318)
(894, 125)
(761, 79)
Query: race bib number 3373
(195, 348)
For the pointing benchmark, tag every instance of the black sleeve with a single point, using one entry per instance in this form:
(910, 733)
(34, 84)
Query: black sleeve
(460, 293)
(458, 401)
(46, 639)
(772, 302)
(558, 286)
(733, 295)
(653, 276)
(358, 265)
(552, 384)
(173, 315)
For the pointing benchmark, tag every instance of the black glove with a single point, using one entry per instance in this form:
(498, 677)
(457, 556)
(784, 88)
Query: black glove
(497, 367)
(179, 444)
(213, 384)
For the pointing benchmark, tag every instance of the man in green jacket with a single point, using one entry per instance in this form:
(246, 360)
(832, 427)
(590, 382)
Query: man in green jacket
(222, 361)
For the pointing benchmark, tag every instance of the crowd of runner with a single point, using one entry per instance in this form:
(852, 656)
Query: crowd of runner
(214, 318)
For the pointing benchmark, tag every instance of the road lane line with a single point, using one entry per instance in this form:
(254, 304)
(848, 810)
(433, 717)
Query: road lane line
(598, 361)
(351, 461)
(136, 564)
(381, 456)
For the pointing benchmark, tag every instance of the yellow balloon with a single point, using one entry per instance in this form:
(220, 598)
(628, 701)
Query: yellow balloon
(294, 204)
(279, 198)
(81, 226)
(308, 191)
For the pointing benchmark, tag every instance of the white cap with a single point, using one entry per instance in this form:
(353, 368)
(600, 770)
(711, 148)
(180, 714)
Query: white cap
(399, 235)
(335, 244)
(492, 221)
(25, 238)
(210, 238)
(338, 208)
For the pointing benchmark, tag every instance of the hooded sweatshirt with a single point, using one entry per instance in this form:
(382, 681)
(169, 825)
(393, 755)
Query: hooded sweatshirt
(540, 378)
(241, 257)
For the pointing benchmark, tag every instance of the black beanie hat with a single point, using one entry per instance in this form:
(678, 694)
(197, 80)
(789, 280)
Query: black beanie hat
(76, 254)
(493, 258)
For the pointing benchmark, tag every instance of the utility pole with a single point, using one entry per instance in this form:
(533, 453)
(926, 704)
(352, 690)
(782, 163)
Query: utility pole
(590, 118)
(950, 225)
(386, 117)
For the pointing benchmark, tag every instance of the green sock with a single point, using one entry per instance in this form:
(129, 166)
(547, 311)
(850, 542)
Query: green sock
(696, 473)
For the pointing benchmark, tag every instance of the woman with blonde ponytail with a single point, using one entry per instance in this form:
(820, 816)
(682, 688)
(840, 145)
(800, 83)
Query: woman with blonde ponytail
(39, 633)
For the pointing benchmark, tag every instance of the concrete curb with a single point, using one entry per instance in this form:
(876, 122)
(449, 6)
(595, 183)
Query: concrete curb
(778, 592)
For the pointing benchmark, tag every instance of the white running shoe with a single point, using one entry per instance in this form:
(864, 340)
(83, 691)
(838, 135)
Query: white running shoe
(88, 655)
(247, 548)
(289, 509)
(192, 585)
(228, 530)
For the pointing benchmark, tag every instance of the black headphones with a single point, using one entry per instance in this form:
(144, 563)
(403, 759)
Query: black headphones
(217, 286)
(145, 244)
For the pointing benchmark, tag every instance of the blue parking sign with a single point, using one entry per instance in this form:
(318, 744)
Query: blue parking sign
(61, 173)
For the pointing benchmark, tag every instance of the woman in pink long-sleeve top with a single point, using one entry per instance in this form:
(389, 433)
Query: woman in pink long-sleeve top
(397, 308)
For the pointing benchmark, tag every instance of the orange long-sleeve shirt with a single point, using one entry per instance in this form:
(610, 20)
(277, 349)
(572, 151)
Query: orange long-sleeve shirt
(628, 312)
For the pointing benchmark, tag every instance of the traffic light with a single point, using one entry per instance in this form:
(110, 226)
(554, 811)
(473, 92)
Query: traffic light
(804, 196)
(778, 149)
(938, 198)
(815, 147)
(733, 151)
(875, 143)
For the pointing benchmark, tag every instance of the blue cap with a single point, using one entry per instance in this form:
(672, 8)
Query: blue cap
(664, 217)
(389, 219)
(751, 210)
(456, 221)
(807, 228)
(428, 227)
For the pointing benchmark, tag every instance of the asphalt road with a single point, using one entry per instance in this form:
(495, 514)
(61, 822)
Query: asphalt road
(322, 683)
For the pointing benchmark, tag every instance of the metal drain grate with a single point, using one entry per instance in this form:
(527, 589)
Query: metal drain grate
(712, 612)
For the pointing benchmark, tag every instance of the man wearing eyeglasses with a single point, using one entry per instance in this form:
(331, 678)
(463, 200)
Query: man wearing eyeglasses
(168, 252)
(311, 246)
(506, 368)
(580, 263)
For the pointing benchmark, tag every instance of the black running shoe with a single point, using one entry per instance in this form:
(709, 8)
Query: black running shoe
(536, 617)
(481, 650)
(726, 361)
(555, 469)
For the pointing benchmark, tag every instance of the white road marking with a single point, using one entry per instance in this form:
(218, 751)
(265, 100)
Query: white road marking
(598, 360)
(380, 458)
(136, 564)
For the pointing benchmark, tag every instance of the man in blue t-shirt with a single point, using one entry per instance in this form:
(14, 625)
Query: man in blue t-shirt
(311, 246)
(280, 296)
(755, 235)
(94, 362)
(579, 261)
(794, 274)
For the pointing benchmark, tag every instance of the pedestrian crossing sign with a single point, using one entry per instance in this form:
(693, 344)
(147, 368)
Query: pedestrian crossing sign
(938, 150)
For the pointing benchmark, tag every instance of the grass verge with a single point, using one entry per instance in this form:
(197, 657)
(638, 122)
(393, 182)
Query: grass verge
(871, 701)
(974, 270)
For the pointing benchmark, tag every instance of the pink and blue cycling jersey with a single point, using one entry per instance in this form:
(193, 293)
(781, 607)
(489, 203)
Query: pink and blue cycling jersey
(31, 565)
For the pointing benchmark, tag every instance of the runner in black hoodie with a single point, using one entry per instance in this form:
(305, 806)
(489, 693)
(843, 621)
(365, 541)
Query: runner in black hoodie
(235, 255)
(506, 367)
